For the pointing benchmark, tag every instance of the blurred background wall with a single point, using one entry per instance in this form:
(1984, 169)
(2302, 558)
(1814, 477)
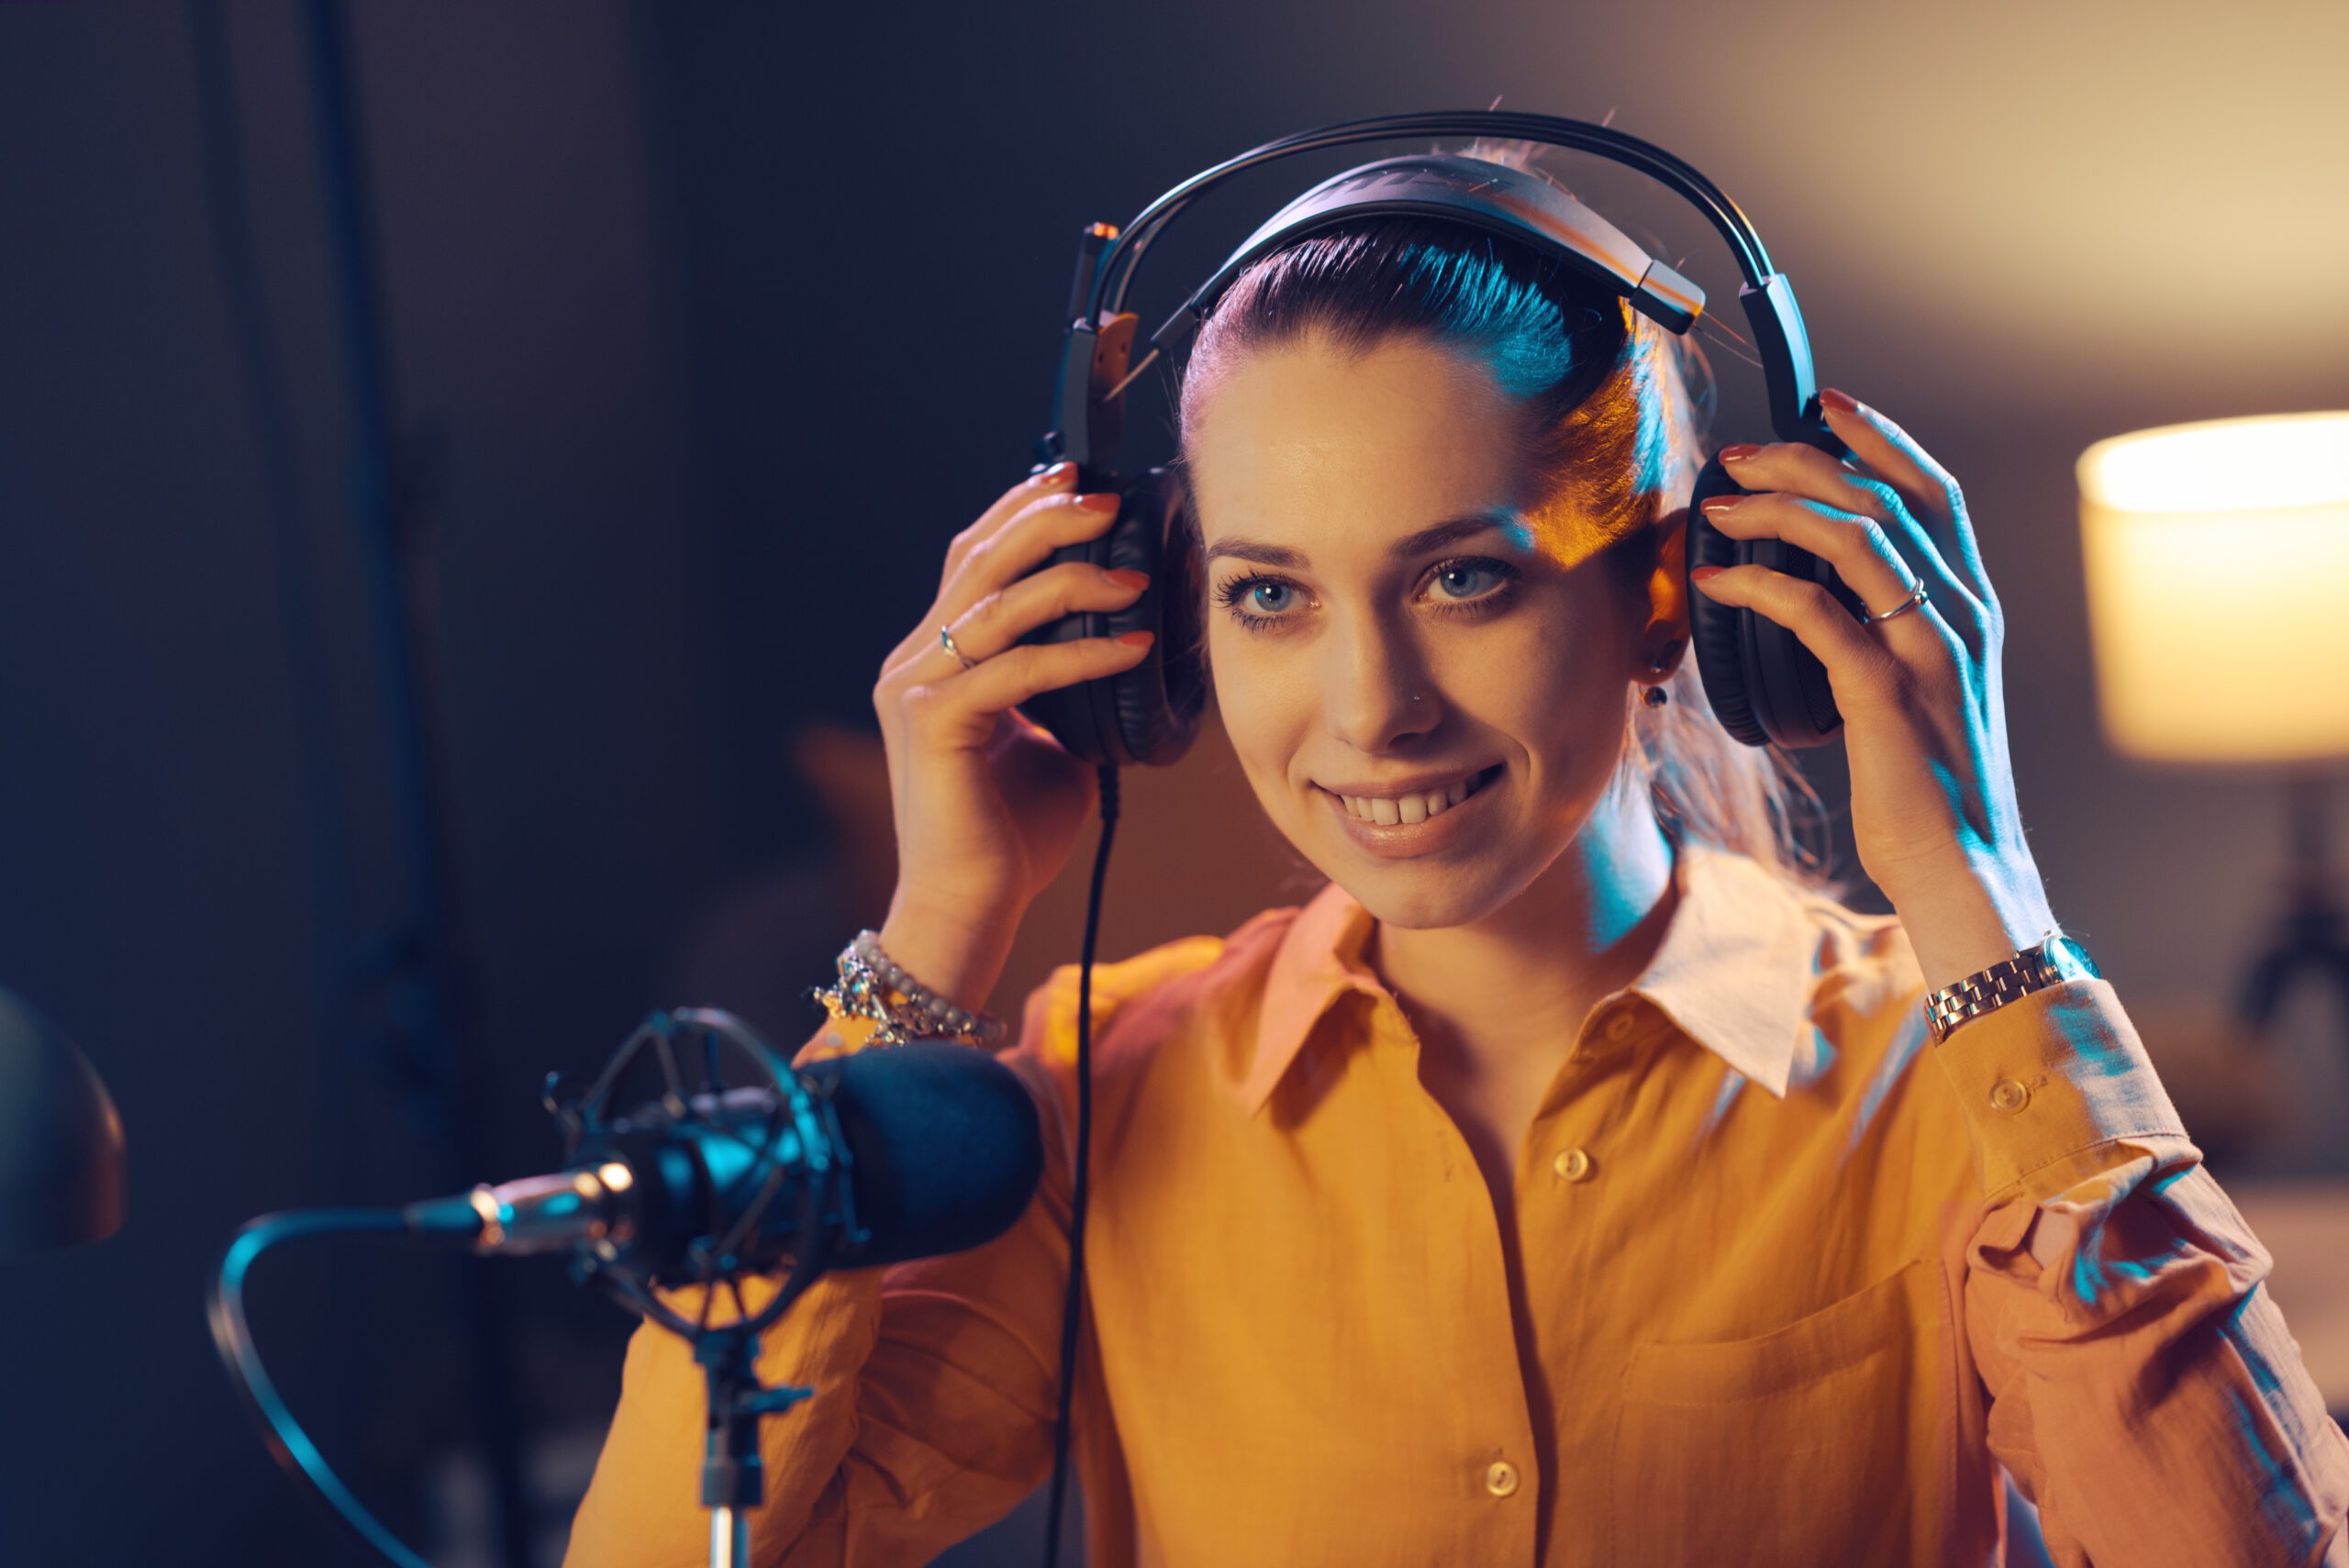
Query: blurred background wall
(706, 327)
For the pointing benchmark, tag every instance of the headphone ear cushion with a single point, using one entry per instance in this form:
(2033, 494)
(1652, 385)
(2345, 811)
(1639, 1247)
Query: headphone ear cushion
(1763, 682)
(1716, 632)
(1158, 703)
(1147, 715)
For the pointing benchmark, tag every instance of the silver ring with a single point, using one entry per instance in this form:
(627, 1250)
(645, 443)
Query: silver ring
(946, 639)
(1916, 597)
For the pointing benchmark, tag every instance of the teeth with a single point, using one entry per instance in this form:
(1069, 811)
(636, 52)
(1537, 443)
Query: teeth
(1407, 807)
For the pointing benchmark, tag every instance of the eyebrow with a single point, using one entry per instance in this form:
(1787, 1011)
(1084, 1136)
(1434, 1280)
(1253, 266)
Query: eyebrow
(1434, 537)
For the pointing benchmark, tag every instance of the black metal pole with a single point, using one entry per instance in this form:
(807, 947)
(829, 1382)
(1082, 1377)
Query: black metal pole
(425, 975)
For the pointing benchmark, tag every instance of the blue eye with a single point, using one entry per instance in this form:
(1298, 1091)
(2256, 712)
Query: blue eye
(1271, 596)
(1464, 568)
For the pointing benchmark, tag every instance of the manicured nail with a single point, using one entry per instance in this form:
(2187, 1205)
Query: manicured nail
(1126, 577)
(1719, 503)
(1739, 452)
(1842, 402)
(1056, 474)
(1139, 639)
(1099, 501)
(1704, 573)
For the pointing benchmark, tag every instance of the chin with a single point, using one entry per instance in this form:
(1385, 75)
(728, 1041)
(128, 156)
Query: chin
(1419, 896)
(1422, 899)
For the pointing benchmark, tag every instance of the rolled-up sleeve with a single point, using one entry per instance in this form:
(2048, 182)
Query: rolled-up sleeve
(2143, 1390)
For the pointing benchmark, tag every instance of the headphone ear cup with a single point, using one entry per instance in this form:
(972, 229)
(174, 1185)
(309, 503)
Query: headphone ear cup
(1157, 704)
(1147, 715)
(1763, 684)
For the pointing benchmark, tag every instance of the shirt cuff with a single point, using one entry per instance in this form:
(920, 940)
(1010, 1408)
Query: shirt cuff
(843, 1036)
(2050, 1075)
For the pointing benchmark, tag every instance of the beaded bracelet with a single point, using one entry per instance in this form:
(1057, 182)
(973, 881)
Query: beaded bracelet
(873, 986)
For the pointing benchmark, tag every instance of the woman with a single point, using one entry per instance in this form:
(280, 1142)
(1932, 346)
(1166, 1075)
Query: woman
(1564, 1182)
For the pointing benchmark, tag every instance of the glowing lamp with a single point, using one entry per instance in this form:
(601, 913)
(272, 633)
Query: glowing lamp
(2217, 588)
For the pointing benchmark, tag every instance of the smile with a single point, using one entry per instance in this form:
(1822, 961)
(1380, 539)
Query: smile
(1417, 805)
(1418, 822)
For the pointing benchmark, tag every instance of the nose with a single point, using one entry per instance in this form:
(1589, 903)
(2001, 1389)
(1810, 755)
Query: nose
(1376, 691)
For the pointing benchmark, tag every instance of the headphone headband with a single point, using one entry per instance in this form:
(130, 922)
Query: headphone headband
(1495, 198)
(1501, 200)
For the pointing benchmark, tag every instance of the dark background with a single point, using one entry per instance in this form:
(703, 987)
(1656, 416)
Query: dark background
(706, 327)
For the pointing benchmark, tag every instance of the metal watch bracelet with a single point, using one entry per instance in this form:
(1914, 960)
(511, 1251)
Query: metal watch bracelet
(2056, 957)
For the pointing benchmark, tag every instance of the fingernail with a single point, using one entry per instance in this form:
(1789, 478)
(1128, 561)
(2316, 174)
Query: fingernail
(1739, 452)
(1139, 639)
(1099, 501)
(1704, 573)
(1056, 474)
(1842, 402)
(1719, 503)
(1126, 577)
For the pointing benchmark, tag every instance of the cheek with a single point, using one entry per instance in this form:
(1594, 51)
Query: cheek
(1269, 708)
(1560, 694)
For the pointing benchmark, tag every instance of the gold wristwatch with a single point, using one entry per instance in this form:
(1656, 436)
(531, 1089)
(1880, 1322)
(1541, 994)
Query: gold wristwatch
(2056, 957)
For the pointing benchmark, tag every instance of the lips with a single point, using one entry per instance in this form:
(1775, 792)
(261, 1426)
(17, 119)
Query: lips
(1392, 807)
(1432, 834)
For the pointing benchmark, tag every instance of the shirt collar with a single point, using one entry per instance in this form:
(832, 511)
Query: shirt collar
(1734, 971)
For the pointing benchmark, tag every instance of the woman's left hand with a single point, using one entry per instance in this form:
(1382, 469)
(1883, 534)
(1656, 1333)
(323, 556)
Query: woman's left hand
(1924, 718)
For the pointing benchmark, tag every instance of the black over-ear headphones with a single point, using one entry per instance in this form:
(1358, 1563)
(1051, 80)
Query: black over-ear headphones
(1762, 682)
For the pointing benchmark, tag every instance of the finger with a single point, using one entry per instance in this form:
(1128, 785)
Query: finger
(1803, 471)
(1044, 482)
(1022, 542)
(1932, 494)
(1026, 543)
(966, 709)
(1858, 665)
(1055, 480)
(1003, 617)
(1857, 547)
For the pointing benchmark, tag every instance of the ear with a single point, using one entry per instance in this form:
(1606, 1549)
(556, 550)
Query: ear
(1667, 584)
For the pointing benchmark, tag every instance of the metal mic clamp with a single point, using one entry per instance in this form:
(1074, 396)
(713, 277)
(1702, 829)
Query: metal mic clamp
(733, 1478)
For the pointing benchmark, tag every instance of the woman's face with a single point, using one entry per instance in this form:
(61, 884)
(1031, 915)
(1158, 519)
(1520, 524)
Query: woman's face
(1388, 614)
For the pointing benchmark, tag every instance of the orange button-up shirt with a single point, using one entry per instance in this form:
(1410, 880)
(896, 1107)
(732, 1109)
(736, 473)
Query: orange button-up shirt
(1795, 1281)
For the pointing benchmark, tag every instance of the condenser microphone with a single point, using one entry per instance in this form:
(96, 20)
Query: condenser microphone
(939, 1142)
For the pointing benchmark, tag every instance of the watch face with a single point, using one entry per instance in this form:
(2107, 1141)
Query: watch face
(2070, 959)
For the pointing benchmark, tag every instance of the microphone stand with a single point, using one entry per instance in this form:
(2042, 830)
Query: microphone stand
(733, 1476)
(803, 1141)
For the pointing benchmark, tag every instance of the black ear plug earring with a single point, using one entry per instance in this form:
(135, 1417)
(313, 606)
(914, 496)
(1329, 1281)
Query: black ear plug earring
(1655, 696)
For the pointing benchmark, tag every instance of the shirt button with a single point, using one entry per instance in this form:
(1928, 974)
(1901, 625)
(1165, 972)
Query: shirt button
(2008, 1095)
(1500, 1478)
(1618, 1028)
(1574, 1166)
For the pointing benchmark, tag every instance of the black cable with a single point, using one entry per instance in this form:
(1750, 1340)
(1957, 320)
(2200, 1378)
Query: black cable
(232, 1336)
(1073, 1304)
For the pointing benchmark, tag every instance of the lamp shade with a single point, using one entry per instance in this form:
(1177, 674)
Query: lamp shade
(61, 1140)
(2217, 556)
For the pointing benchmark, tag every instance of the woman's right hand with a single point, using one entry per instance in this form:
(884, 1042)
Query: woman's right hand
(987, 805)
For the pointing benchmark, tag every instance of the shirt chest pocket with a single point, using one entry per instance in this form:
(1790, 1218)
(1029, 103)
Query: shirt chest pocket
(1793, 1447)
